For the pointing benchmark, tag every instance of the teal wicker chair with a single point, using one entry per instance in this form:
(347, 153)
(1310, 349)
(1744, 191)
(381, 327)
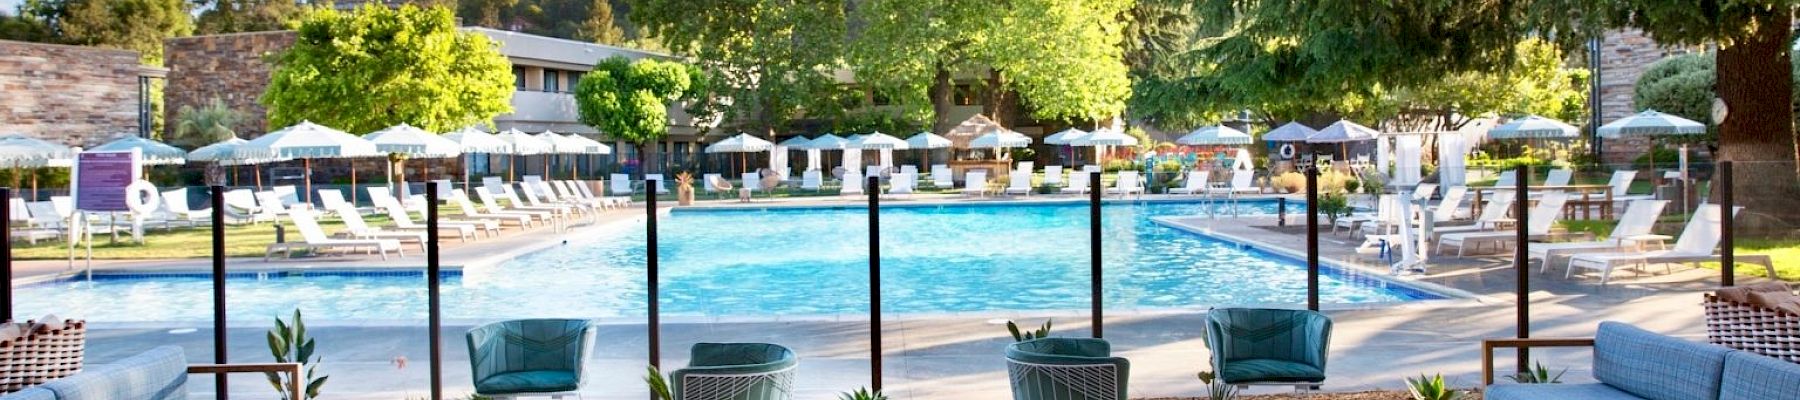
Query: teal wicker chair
(1262, 346)
(1066, 369)
(736, 371)
(538, 357)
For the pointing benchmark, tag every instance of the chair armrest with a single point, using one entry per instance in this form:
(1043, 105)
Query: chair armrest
(291, 369)
(1488, 346)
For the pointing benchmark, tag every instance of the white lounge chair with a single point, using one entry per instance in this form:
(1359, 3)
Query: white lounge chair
(1027, 166)
(1491, 215)
(313, 238)
(332, 201)
(1242, 181)
(1424, 191)
(463, 229)
(662, 185)
(901, 183)
(753, 182)
(499, 190)
(812, 180)
(1620, 185)
(491, 206)
(176, 203)
(1543, 219)
(1633, 229)
(1019, 182)
(270, 202)
(1446, 208)
(1697, 244)
(1090, 168)
(1195, 183)
(470, 211)
(356, 228)
(1385, 208)
(874, 170)
(536, 193)
(853, 184)
(942, 177)
(975, 183)
(586, 190)
(240, 205)
(909, 169)
(1053, 176)
(289, 196)
(1078, 184)
(45, 223)
(1126, 183)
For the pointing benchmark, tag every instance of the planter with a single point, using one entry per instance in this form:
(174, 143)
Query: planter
(684, 196)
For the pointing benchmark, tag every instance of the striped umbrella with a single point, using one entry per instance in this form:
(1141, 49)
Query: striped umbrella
(1534, 127)
(475, 141)
(520, 144)
(1653, 123)
(154, 152)
(307, 141)
(18, 151)
(1216, 135)
(740, 143)
(1063, 138)
(1290, 132)
(924, 142)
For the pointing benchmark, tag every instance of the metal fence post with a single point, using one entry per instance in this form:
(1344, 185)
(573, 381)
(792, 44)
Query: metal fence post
(873, 188)
(435, 307)
(1521, 258)
(220, 386)
(650, 274)
(1312, 238)
(1096, 270)
(1727, 254)
(6, 261)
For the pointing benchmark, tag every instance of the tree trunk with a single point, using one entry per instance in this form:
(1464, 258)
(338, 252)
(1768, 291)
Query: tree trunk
(942, 98)
(997, 99)
(1756, 83)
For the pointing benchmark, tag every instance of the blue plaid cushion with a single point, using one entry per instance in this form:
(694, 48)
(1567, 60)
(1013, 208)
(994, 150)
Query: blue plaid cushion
(1656, 367)
(158, 374)
(1559, 391)
(30, 393)
(1751, 376)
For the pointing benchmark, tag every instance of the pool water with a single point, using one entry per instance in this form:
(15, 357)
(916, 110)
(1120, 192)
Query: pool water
(779, 262)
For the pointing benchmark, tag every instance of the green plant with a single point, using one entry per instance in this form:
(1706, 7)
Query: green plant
(862, 394)
(1119, 165)
(1538, 374)
(1023, 154)
(1168, 166)
(1665, 157)
(1431, 388)
(1334, 205)
(1041, 332)
(288, 343)
(1216, 389)
(195, 127)
(1290, 182)
(659, 386)
(1353, 185)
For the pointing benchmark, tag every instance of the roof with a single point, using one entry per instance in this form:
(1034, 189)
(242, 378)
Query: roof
(519, 45)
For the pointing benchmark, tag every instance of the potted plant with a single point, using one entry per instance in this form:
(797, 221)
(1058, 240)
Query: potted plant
(289, 343)
(684, 188)
(1334, 205)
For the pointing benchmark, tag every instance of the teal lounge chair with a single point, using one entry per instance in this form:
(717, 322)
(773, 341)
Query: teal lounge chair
(1261, 346)
(1066, 369)
(538, 357)
(736, 371)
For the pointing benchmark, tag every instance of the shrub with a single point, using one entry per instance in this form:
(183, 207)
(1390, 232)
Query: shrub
(1120, 165)
(1290, 182)
(1538, 375)
(1665, 157)
(1431, 388)
(1168, 166)
(1334, 205)
(862, 394)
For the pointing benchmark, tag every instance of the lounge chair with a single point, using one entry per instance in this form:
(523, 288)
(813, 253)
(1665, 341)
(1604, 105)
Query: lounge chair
(463, 230)
(942, 177)
(584, 189)
(874, 170)
(289, 196)
(812, 180)
(534, 195)
(176, 203)
(975, 183)
(564, 191)
(901, 183)
(270, 202)
(1491, 215)
(753, 182)
(331, 200)
(1696, 244)
(356, 228)
(853, 184)
(240, 205)
(1066, 369)
(1445, 210)
(1424, 192)
(531, 357)
(1353, 223)
(1027, 166)
(493, 207)
(620, 185)
(314, 238)
(500, 190)
(1633, 228)
(1195, 183)
(547, 193)
(1090, 168)
(1630, 363)
(909, 169)
(1543, 219)
(717, 184)
(662, 185)
(1620, 184)
(1242, 181)
(1260, 346)
(1127, 183)
(1019, 182)
(730, 371)
(45, 223)
(1053, 176)
(1078, 184)
(470, 211)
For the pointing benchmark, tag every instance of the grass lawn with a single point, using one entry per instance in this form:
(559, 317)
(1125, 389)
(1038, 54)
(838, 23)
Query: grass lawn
(185, 242)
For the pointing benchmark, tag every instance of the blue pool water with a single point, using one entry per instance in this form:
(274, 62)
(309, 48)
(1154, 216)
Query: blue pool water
(812, 261)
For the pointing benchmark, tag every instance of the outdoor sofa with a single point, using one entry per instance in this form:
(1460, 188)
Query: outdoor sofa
(1632, 363)
(158, 374)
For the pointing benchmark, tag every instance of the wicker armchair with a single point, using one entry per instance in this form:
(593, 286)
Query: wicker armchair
(736, 371)
(1262, 346)
(530, 356)
(1066, 369)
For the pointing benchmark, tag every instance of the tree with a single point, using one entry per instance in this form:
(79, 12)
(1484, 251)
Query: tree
(1535, 83)
(231, 16)
(485, 13)
(195, 127)
(599, 26)
(365, 70)
(629, 100)
(139, 25)
(1062, 57)
(769, 60)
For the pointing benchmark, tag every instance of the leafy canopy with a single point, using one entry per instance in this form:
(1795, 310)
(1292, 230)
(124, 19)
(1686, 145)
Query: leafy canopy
(629, 100)
(375, 67)
(770, 61)
(231, 16)
(139, 25)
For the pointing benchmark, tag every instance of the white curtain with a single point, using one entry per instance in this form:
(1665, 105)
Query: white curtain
(1452, 146)
(1383, 155)
(887, 158)
(853, 160)
(778, 158)
(1408, 152)
(812, 159)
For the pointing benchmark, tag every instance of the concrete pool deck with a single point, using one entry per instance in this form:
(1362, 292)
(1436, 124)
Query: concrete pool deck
(958, 356)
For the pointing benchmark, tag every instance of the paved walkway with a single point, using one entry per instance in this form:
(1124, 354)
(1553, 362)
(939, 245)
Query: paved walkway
(959, 356)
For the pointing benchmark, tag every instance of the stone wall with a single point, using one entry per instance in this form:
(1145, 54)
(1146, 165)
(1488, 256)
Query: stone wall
(232, 68)
(78, 96)
(1624, 55)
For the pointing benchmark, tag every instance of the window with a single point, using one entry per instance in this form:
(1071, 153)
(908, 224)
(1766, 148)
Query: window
(518, 78)
(575, 80)
(550, 83)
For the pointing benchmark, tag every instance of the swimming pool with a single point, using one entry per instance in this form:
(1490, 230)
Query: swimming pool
(779, 262)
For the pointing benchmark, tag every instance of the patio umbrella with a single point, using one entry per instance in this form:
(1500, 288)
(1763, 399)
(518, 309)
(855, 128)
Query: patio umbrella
(520, 144)
(740, 143)
(1104, 137)
(1342, 133)
(1651, 123)
(1217, 135)
(1289, 132)
(1063, 138)
(154, 152)
(800, 143)
(828, 142)
(1534, 127)
(413, 142)
(307, 141)
(971, 128)
(475, 141)
(20, 151)
(223, 154)
(570, 144)
(589, 146)
(926, 141)
(883, 142)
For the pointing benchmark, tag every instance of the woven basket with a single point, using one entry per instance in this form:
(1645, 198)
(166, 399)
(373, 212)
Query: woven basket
(1753, 328)
(42, 355)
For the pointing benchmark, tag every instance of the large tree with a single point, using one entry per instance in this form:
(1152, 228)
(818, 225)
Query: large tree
(1064, 58)
(139, 25)
(770, 61)
(230, 16)
(377, 66)
(629, 100)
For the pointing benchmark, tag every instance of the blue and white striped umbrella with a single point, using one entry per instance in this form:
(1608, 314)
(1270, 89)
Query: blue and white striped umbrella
(1291, 132)
(1534, 127)
(412, 141)
(1104, 137)
(475, 141)
(879, 141)
(306, 140)
(828, 142)
(153, 152)
(740, 143)
(928, 140)
(1651, 123)
(18, 150)
(1216, 135)
(796, 143)
(1064, 137)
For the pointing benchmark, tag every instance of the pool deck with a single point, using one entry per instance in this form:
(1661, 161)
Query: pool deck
(957, 356)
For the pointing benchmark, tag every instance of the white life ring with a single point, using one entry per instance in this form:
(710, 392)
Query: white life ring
(141, 197)
(1287, 151)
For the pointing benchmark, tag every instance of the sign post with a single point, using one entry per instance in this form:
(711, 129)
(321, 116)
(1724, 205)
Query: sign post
(101, 182)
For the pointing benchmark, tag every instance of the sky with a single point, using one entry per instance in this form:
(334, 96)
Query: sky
(8, 6)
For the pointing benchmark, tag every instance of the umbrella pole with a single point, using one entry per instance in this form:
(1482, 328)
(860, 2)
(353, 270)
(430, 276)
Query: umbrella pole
(352, 183)
(257, 169)
(465, 171)
(308, 163)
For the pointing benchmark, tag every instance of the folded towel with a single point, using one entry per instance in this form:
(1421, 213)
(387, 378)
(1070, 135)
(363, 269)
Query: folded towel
(1741, 294)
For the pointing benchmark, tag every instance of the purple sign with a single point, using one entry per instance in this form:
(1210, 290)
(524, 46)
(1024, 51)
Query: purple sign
(101, 178)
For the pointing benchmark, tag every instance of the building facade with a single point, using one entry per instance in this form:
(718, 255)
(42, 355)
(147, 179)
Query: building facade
(1623, 57)
(74, 95)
